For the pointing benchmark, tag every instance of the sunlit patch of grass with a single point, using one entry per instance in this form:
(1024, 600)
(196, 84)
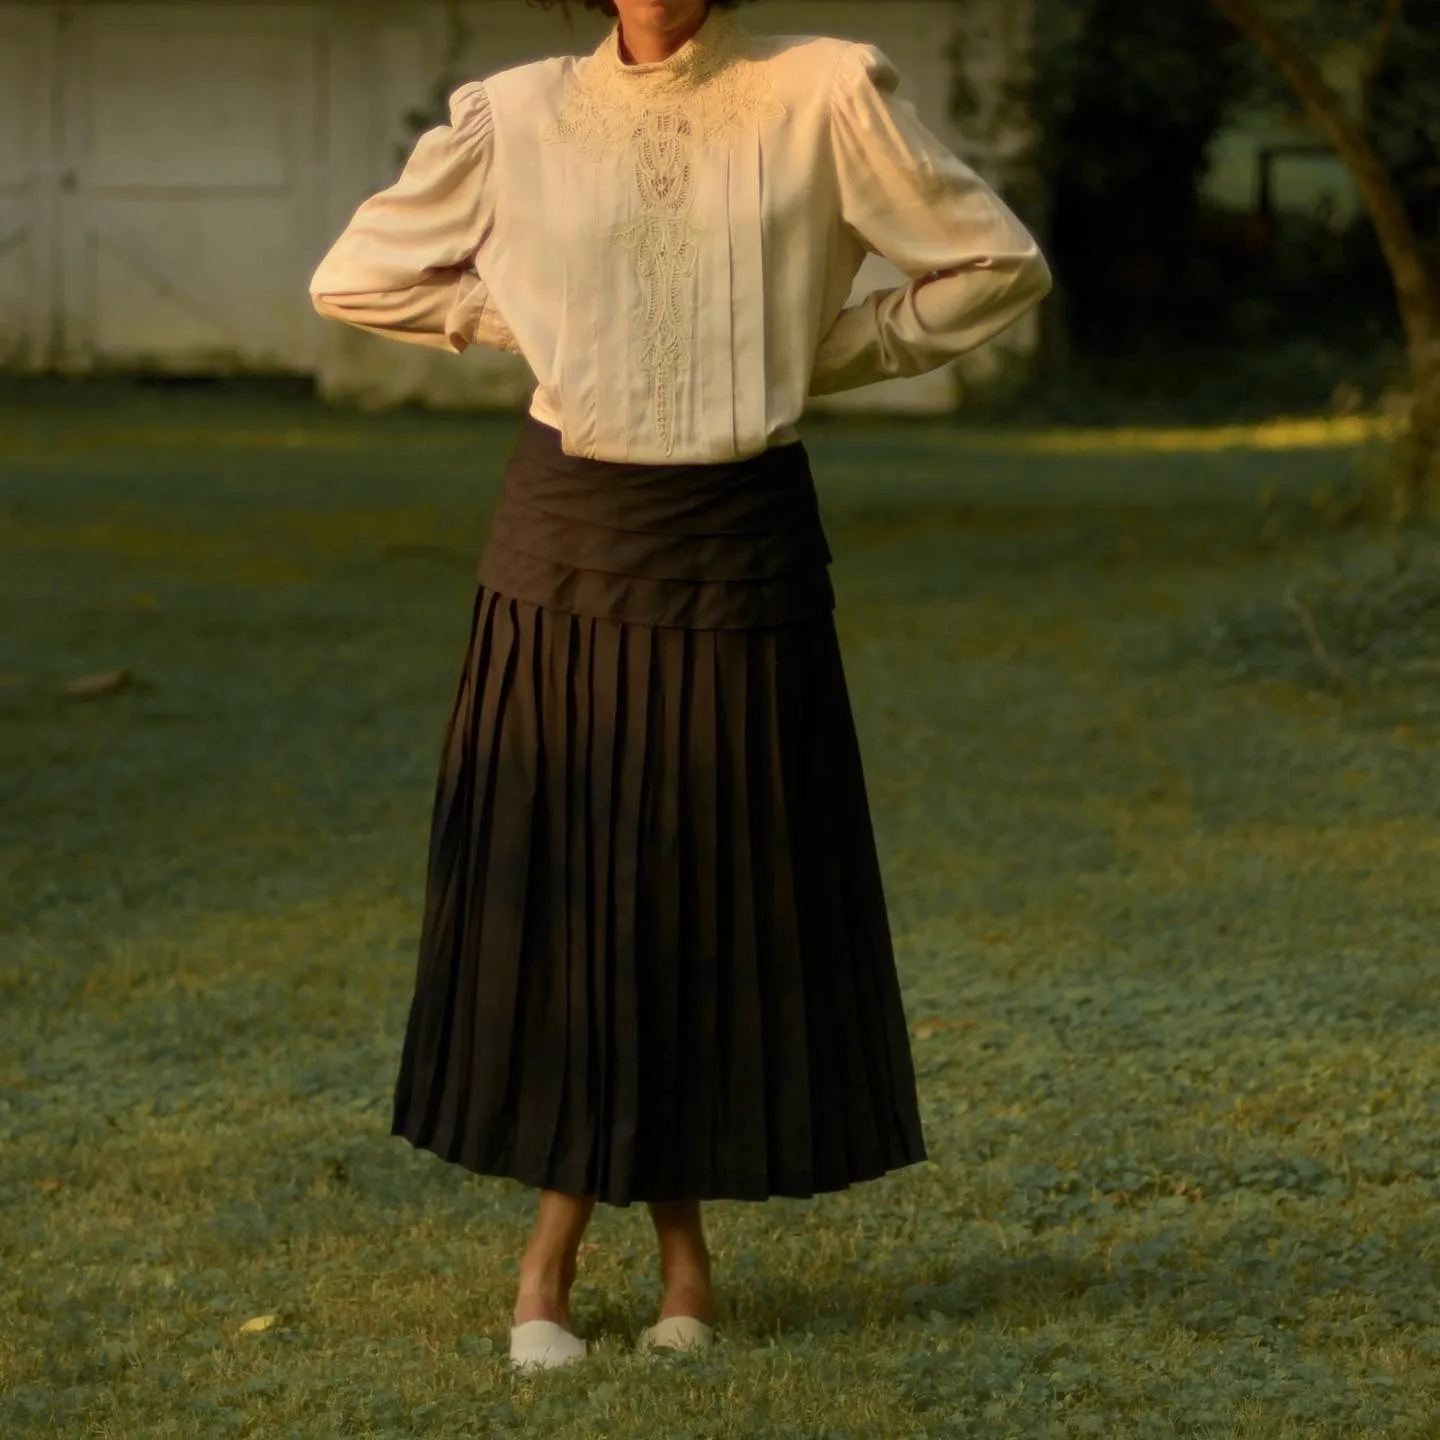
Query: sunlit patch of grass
(1308, 433)
(1376, 843)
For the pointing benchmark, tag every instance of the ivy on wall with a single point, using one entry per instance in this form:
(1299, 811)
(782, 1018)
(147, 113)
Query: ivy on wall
(436, 111)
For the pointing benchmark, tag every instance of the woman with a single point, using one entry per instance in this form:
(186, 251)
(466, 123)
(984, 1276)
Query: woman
(655, 962)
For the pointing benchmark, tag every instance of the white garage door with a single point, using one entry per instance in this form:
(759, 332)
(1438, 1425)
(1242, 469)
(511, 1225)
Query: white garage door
(27, 297)
(182, 174)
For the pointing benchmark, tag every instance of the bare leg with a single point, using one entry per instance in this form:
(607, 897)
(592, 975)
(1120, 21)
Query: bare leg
(684, 1260)
(547, 1268)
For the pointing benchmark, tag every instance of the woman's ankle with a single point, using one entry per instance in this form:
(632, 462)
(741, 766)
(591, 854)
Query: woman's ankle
(547, 1276)
(689, 1295)
(692, 1263)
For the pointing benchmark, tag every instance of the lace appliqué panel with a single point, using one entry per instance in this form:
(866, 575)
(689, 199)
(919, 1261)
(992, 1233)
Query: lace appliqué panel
(662, 122)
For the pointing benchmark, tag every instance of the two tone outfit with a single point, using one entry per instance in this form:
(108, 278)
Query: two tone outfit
(655, 961)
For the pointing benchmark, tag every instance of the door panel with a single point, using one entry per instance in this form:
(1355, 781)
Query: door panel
(27, 97)
(192, 145)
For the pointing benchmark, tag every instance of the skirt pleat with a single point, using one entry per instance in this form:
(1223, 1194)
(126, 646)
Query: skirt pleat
(655, 961)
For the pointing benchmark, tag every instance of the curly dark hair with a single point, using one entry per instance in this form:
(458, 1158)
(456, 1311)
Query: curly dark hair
(607, 7)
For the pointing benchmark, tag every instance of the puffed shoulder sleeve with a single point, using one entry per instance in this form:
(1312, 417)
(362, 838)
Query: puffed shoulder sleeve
(974, 269)
(404, 265)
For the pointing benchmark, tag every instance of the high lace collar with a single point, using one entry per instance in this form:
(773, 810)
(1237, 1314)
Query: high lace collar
(713, 88)
(698, 60)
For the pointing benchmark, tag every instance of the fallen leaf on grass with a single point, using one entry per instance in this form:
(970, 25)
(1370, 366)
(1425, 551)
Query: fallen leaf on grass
(50, 1186)
(926, 1028)
(257, 1323)
(106, 682)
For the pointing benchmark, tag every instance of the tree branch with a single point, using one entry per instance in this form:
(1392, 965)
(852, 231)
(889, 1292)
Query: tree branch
(1416, 288)
(1394, 9)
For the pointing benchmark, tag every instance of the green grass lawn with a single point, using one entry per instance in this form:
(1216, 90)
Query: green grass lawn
(1165, 895)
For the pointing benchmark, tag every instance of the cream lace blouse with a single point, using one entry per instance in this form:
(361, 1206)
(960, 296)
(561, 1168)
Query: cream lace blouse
(671, 246)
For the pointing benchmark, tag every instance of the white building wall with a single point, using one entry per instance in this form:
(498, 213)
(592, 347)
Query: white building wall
(161, 167)
(27, 157)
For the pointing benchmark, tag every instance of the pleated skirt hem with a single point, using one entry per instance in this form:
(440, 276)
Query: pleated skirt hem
(574, 1179)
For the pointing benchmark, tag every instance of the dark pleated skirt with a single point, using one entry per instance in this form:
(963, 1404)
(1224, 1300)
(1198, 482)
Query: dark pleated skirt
(655, 961)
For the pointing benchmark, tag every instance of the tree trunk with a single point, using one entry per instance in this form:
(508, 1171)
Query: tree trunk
(1417, 288)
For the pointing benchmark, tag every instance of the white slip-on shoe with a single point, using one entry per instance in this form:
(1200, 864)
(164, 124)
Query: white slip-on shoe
(543, 1345)
(679, 1332)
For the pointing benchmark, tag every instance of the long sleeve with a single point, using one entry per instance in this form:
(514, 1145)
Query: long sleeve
(403, 266)
(974, 269)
